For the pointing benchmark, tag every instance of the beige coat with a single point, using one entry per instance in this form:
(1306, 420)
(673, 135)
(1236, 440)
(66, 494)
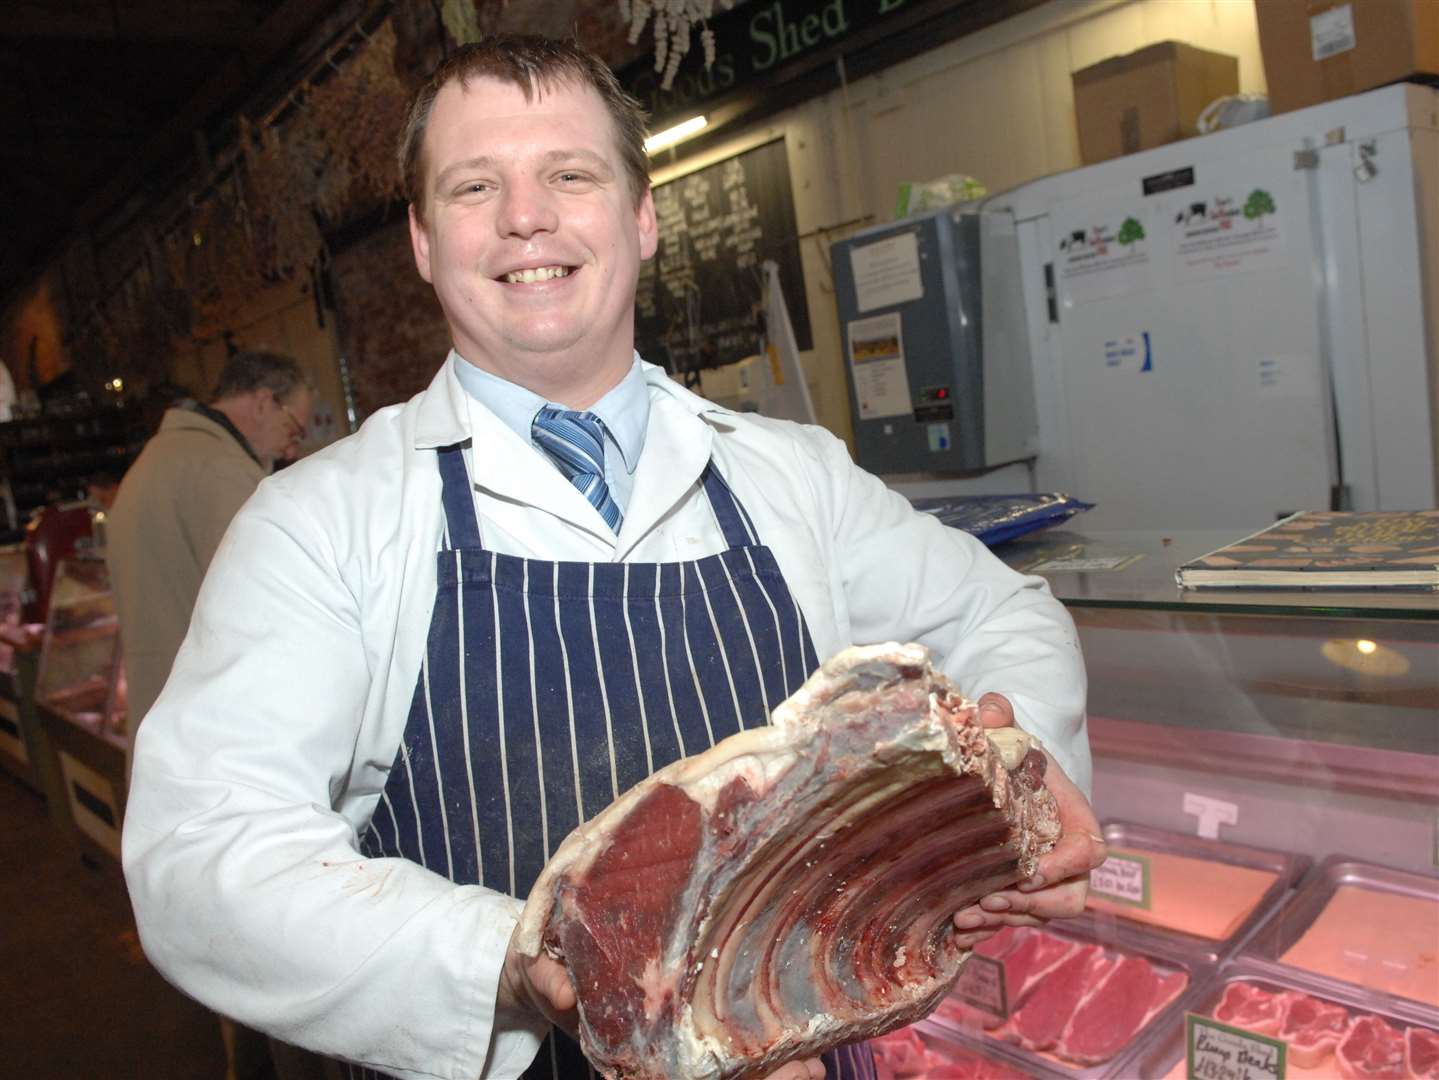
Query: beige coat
(173, 506)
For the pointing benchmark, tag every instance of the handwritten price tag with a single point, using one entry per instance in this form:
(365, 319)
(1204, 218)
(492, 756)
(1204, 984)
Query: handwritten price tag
(1124, 878)
(981, 984)
(1217, 1051)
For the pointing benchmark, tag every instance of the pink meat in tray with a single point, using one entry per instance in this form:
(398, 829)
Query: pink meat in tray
(1312, 1028)
(1130, 994)
(1372, 1050)
(1250, 1007)
(1041, 1020)
(1029, 961)
(1421, 1054)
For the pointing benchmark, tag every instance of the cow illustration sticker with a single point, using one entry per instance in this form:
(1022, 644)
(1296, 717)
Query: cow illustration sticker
(1103, 252)
(1237, 231)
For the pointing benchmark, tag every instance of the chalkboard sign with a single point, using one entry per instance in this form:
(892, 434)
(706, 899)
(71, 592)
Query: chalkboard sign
(699, 299)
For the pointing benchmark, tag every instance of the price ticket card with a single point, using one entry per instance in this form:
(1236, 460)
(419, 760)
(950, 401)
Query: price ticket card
(1122, 878)
(1216, 1051)
(981, 984)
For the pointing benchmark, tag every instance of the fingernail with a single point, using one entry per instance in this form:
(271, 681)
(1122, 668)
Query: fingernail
(994, 903)
(1036, 882)
(969, 921)
(992, 710)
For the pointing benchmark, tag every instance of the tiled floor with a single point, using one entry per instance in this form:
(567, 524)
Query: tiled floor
(77, 998)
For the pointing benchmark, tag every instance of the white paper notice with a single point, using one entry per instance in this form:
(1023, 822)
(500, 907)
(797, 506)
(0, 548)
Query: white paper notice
(1332, 32)
(886, 272)
(1287, 377)
(1129, 353)
(1103, 252)
(1229, 232)
(876, 360)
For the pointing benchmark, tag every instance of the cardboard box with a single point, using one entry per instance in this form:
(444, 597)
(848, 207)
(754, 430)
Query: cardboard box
(1147, 98)
(1319, 50)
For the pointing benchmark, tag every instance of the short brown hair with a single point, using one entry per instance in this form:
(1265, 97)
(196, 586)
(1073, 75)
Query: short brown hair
(530, 63)
(257, 370)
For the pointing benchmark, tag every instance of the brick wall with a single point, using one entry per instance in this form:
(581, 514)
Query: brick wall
(391, 329)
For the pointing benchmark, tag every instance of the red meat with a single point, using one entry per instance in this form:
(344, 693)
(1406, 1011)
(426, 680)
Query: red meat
(900, 1054)
(792, 888)
(1007, 941)
(1246, 1006)
(1040, 1023)
(1312, 1028)
(1029, 961)
(1372, 1050)
(1125, 999)
(1421, 1054)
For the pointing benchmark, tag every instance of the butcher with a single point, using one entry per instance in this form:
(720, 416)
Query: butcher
(424, 655)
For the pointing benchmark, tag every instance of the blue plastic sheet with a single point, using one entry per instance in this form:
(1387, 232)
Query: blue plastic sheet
(993, 519)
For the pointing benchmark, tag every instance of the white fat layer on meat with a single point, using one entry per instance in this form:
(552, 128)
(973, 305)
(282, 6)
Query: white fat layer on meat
(696, 1055)
(1011, 744)
(759, 771)
(929, 738)
(832, 678)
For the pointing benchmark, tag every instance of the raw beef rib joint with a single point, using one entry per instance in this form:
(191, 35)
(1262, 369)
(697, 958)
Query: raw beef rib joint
(792, 888)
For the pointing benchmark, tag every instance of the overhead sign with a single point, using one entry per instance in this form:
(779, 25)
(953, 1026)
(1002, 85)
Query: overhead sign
(761, 40)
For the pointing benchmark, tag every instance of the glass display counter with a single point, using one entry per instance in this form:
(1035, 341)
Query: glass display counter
(80, 698)
(1266, 768)
(1300, 721)
(21, 752)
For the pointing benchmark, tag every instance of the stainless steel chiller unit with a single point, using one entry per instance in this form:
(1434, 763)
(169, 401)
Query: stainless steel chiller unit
(932, 323)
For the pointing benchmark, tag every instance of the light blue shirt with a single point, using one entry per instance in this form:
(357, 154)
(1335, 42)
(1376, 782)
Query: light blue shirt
(625, 411)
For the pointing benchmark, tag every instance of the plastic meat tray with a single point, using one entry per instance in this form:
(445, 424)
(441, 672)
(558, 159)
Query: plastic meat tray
(1129, 933)
(1165, 1055)
(1052, 1067)
(1291, 921)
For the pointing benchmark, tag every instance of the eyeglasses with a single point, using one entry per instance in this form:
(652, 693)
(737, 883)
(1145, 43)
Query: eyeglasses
(299, 427)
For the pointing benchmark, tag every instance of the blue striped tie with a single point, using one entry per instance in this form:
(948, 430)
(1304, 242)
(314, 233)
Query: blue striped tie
(575, 442)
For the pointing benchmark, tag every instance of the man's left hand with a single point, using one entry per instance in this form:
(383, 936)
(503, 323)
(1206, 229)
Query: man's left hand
(1061, 882)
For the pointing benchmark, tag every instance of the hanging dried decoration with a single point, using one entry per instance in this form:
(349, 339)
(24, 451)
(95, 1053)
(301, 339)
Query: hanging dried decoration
(357, 115)
(674, 22)
(329, 159)
(461, 20)
(278, 174)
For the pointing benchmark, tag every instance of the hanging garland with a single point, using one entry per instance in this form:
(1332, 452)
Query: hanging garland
(674, 22)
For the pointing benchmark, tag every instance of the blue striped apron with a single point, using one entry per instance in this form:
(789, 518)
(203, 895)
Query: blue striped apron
(550, 688)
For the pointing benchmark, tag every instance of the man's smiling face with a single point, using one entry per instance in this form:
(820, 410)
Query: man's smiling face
(532, 236)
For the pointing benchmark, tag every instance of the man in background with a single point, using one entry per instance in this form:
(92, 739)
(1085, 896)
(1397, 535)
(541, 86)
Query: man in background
(173, 506)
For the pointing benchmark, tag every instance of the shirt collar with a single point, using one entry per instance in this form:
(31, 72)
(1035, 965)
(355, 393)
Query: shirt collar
(217, 417)
(625, 410)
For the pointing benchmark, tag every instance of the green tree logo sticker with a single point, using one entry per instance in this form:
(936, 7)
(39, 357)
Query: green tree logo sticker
(1130, 231)
(1260, 202)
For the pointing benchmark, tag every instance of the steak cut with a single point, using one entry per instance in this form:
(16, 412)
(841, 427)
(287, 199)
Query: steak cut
(1250, 1007)
(791, 889)
(1421, 1054)
(1312, 1028)
(1372, 1050)
(1125, 999)
(1042, 1018)
(1030, 961)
